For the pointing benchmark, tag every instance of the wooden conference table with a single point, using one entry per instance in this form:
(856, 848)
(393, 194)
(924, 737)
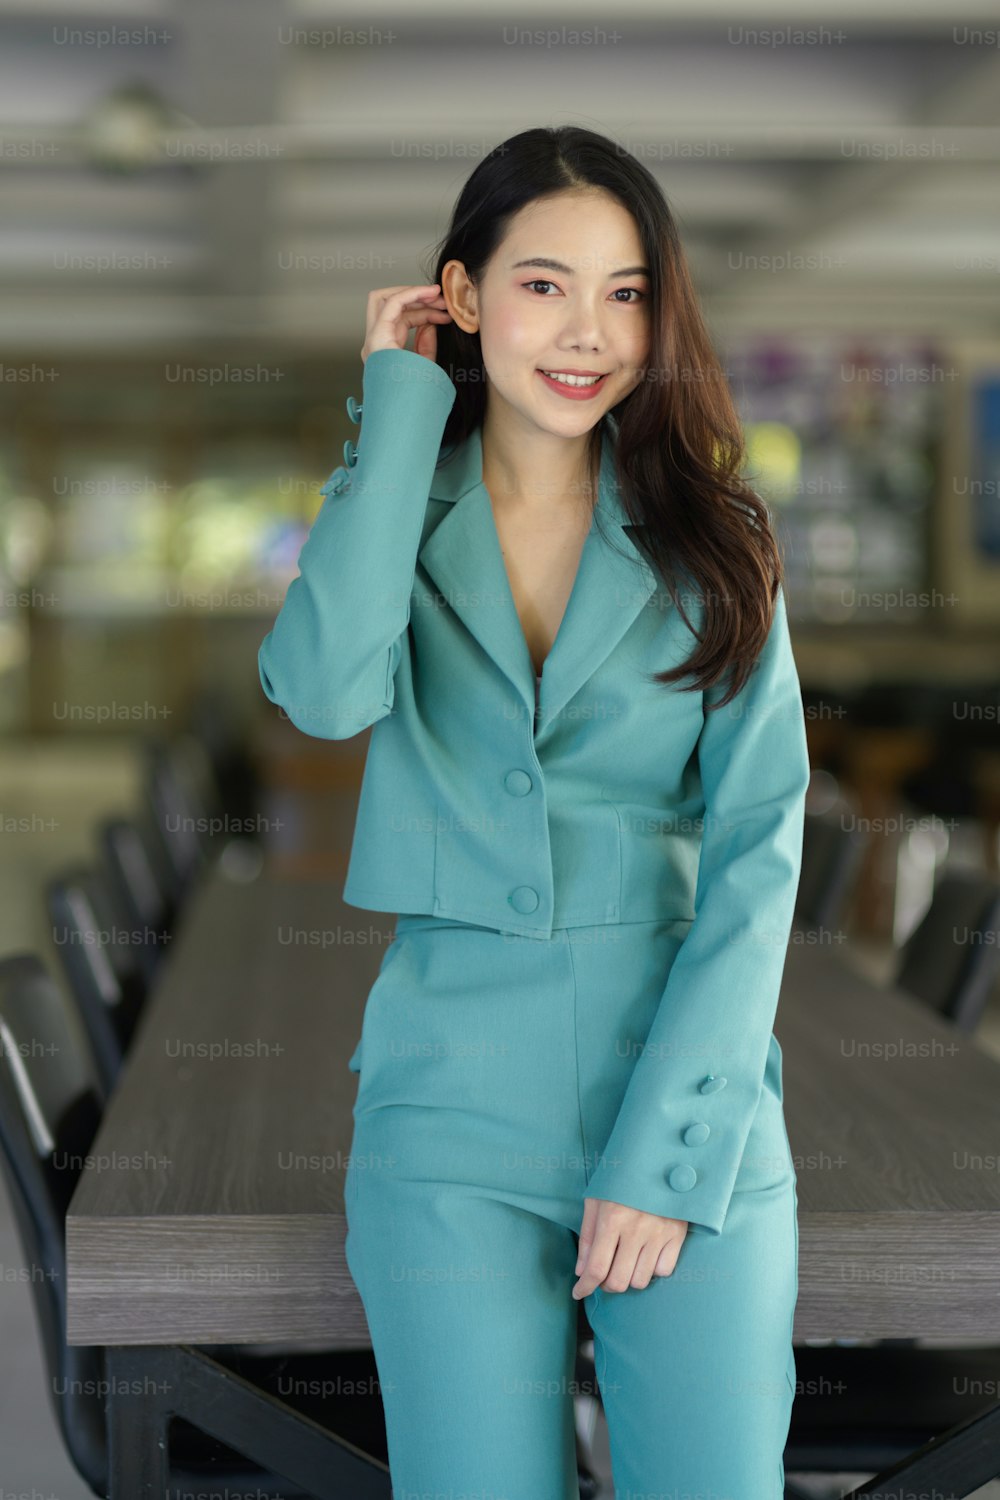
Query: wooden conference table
(237, 1098)
(892, 1118)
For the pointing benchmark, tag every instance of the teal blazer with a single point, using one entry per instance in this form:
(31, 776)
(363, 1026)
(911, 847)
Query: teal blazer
(621, 801)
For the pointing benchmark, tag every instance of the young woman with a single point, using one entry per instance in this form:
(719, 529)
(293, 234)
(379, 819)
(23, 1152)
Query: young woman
(542, 579)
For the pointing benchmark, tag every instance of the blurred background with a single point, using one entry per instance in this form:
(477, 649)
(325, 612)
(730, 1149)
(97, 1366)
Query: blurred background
(196, 197)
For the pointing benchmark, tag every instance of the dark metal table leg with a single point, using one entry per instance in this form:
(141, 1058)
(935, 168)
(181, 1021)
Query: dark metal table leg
(138, 1460)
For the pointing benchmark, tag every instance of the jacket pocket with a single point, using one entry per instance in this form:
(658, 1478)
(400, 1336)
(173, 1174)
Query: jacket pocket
(658, 866)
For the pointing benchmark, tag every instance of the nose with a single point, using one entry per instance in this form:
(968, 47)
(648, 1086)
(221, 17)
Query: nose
(584, 335)
(583, 330)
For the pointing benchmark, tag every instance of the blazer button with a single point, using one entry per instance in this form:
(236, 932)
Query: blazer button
(350, 454)
(697, 1134)
(335, 483)
(524, 898)
(711, 1084)
(353, 409)
(518, 783)
(682, 1178)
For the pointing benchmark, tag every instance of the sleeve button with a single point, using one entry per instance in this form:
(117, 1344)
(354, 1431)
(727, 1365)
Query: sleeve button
(335, 483)
(696, 1134)
(682, 1178)
(353, 409)
(712, 1084)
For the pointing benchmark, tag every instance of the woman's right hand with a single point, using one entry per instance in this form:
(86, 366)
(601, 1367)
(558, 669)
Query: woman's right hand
(394, 310)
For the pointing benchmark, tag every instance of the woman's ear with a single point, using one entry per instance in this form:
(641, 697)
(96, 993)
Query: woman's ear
(460, 297)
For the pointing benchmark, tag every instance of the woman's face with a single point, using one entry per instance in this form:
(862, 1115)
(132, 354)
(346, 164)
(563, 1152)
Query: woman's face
(587, 309)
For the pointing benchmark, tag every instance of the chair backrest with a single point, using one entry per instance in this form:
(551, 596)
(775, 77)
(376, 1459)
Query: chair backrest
(952, 957)
(832, 850)
(95, 946)
(136, 869)
(213, 718)
(181, 797)
(50, 1109)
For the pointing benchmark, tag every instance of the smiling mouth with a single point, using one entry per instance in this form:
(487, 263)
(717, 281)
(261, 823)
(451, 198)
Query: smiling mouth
(575, 382)
(574, 387)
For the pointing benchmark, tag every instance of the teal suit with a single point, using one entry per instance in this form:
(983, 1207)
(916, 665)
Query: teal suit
(618, 872)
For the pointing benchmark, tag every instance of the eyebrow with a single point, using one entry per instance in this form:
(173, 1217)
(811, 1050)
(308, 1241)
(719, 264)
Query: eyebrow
(557, 265)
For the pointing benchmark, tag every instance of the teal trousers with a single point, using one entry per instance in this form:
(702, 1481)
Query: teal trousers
(491, 1068)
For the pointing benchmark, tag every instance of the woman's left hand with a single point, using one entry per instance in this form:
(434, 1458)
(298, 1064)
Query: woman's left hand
(622, 1247)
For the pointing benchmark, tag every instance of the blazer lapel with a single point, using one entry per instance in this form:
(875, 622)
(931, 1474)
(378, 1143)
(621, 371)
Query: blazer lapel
(462, 555)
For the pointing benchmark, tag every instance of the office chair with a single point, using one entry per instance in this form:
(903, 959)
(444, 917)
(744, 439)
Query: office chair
(133, 861)
(181, 797)
(50, 1111)
(101, 963)
(951, 959)
(831, 858)
(215, 723)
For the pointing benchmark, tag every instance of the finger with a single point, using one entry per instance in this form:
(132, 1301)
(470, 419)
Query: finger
(383, 294)
(411, 318)
(390, 303)
(587, 1229)
(622, 1268)
(387, 305)
(593, 1276)
(414, 310)
(645, 1264)
(597, 1263)
(393, 311)
(667, 1258)
(425, 342)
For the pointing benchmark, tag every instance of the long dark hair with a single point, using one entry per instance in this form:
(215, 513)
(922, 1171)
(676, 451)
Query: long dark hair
(677, 438)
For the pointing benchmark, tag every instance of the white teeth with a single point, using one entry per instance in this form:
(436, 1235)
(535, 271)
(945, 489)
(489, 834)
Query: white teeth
(574, 379)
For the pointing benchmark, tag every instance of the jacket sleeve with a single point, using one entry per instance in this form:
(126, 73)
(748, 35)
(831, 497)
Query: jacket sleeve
(330, 658)
(683, 1125)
